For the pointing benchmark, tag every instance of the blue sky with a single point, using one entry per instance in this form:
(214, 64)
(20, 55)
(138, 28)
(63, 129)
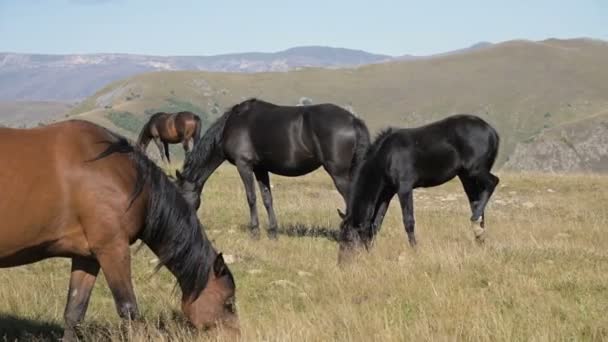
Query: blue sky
(204, 27)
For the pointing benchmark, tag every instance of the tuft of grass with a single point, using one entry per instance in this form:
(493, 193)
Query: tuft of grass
(542, 274)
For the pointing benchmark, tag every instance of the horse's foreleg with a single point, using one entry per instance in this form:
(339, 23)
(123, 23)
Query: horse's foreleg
(381, 210)
(82, 280)
(406, 199)
(246, 173)
(186, 145)
(264, 184)
(115, 261)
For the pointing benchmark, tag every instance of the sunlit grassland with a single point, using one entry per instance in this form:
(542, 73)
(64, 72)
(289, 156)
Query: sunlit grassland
(542, 274)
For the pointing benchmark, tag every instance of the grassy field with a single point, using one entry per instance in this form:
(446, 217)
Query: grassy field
(542, 275)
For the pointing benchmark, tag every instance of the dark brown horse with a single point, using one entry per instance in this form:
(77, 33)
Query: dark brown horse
(170, 128)
(78, 191)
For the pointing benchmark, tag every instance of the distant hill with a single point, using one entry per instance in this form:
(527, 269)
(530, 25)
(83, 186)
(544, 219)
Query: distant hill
(70, 77)
(31, 113)
(522, 88)
(75, 77)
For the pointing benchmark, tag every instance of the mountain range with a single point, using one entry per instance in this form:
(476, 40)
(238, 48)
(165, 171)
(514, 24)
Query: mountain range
(37, 77)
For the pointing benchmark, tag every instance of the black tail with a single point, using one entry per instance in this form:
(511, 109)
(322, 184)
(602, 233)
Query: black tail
(493, 145)
(144, 135)
(362, 143)
(122, 145)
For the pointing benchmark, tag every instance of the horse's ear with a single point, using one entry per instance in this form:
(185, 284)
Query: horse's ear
(341, 214)
(219, 266)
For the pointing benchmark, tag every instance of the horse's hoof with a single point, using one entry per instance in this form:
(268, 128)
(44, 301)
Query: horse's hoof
(273, 234)
(254, 233)
(480, 239)
(478, 230)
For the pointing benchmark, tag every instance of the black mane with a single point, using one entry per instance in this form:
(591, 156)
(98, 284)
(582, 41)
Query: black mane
(205, 148)
(380, 137)
(172, 229)
(366, 184)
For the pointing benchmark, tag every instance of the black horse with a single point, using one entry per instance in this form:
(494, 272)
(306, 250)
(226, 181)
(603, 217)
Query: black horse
(400, 160)
(260, 137)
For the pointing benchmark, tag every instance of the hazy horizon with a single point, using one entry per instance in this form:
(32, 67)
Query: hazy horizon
(202, 28)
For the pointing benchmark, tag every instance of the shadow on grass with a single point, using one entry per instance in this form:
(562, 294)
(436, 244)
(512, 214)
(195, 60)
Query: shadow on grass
(14, 328)
(300, 230)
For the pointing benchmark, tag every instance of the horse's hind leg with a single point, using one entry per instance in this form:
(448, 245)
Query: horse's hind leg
(264, 184)
(479, 188)
(341, 177)
(246, 173)
(166, 145)
(82, 280)
(186, 145)
(406, 199)
(161, 150)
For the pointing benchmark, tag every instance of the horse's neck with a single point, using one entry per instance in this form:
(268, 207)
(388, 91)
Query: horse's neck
(366, 198)
(200, 168)
(207, 170)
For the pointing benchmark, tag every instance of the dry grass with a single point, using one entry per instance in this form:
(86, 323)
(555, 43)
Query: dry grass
(542, 275)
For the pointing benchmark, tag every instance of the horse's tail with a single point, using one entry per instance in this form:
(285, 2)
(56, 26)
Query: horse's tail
(144, 135)
(362, 142)
(197, 130)
(494, 143)
(122, 145)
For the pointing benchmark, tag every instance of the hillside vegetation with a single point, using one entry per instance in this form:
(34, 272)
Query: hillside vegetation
(520, 87)
(572, 147)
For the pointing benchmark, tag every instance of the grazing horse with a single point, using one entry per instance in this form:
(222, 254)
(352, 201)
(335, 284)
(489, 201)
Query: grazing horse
(259, 137)
(78, 191)
(401, 160)
(170, 128)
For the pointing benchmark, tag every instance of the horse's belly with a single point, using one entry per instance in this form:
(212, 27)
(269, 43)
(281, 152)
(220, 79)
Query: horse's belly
(290, 168)
(25, 244)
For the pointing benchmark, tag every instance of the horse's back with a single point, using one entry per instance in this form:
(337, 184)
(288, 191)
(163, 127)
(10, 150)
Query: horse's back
(288, 140)
(50, 182)
(437, 152)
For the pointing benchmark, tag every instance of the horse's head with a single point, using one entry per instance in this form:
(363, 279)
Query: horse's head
(215, 306)
(351, 239)
(188, 189)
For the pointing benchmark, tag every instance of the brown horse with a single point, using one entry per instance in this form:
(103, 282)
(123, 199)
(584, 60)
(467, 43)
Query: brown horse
(76, 190)
(170, 128)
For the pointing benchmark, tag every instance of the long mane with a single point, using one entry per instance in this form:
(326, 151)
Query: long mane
(172, 229)
(204, 149)
(208, 145)
(365, 186)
